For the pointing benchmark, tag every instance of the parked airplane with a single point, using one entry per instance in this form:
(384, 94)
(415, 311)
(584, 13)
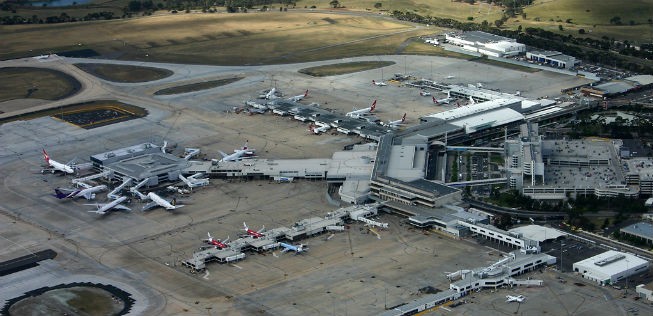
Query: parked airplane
(178, 190)
(424, 93)
(56, 166)
(397, 123)
(248, 151)
(193, 181)
(113, 205)
(289, 247)
(379, 83)
(300, 97)
(270, 95)
(87, 193)
(451, 76)
(216, 242)
(518, 299)
(362, 112)
(159, 201)
(253, 233)
(318, 129)
(442, 101)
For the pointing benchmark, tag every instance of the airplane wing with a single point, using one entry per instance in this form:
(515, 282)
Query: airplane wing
(149, 206)
(223, 154)
(175, 207)
(122, 207)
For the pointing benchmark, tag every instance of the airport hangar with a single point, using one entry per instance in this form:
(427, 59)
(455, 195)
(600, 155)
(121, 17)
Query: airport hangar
(610, 267)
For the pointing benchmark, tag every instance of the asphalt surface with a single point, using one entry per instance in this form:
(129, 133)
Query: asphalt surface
(350, 273)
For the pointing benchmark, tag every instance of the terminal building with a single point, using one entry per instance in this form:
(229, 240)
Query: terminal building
(140, 162)
(486, 43)
(610, 267)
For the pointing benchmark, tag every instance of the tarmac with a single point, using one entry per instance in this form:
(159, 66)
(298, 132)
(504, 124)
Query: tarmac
(353, 272)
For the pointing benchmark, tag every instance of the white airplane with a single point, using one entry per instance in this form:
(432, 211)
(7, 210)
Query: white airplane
(270, 95)
(451, 76)
(57, 166)
(289, 247)
(424, 93)
(318, 129)
(113, 205)
(248, 151)
(518, 299)
(159, 201)
(397, 123)
(300, 97)
(87, 193)
(379, 83)
(163, 148)
(442, 101)
(362, 112)
(194, 181)
(177, 189)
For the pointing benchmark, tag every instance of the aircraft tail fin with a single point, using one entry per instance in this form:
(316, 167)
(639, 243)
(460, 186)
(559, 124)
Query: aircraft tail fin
(373, 106)
(403, 118)
(46, 157)
(59, 194)
(174, 202)
(306, 93)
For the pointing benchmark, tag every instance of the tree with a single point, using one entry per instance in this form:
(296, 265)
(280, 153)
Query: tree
(378, 5)
(134, 6)
(498, 23)
(560, 28)
(581, 31)
(334, 3)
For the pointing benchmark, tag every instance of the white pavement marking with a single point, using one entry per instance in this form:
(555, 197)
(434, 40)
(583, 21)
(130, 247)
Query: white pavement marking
(235, 265)
(206, 275)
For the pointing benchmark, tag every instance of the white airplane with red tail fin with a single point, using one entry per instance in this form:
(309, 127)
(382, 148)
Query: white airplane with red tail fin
(57, 166)
(397, 123)
(362, 112)
(379, 83)
(300, 97)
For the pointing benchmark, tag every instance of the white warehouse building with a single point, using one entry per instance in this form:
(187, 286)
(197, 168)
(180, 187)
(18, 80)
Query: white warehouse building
(486, 44)
(610, 267)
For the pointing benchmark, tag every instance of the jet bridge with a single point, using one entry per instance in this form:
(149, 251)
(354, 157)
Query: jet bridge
(114, 194)
(104, 174)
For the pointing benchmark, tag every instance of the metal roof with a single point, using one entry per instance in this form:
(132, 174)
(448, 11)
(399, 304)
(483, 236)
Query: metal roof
(641, 229)
(611, 262)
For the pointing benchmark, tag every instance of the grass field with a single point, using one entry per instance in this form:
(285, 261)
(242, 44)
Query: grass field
(124, 73)
(197, 86)
(594, 17)
(344, 68)
(227, 39)
(35, 83)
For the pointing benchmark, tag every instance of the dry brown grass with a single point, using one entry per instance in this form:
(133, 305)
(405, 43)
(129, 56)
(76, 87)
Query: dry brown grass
(344, 68)
(35, 83)
(252, 38)
(124, 73)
